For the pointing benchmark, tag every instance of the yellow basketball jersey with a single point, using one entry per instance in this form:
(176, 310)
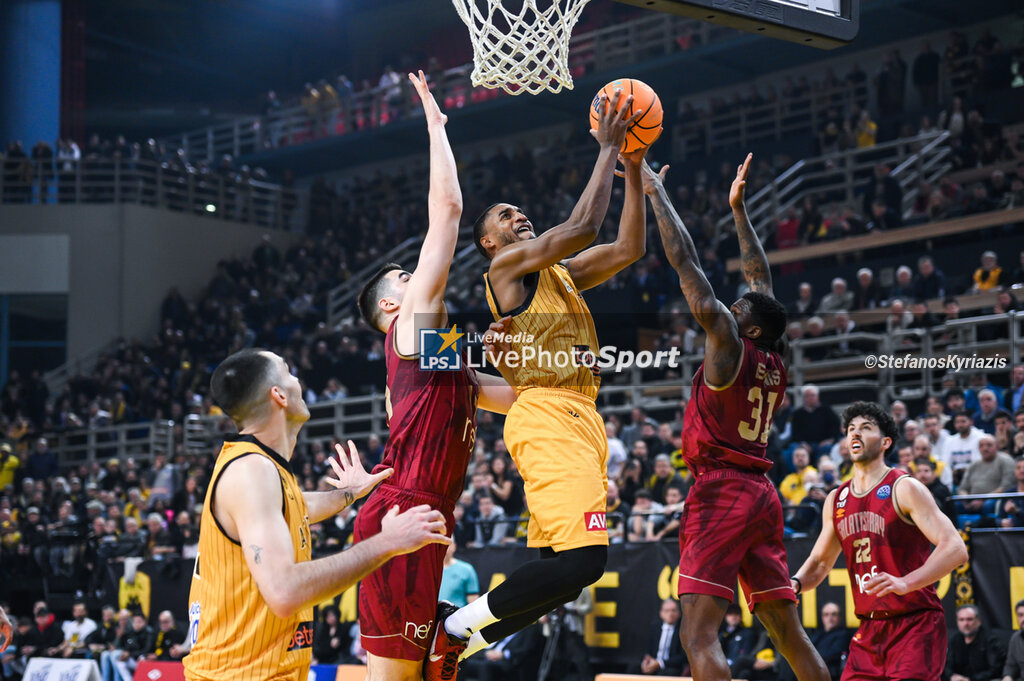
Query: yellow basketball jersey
(235, 636)
(558, 320)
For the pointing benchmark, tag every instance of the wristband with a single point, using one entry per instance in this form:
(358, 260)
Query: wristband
(799, 584)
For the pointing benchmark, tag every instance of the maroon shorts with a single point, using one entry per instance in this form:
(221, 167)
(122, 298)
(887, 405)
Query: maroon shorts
(732, 527)
(397, 602)
(911, 646)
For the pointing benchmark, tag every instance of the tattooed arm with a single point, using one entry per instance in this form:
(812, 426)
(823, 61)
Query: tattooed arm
(247, 504)
(755, 263)
(723, 349)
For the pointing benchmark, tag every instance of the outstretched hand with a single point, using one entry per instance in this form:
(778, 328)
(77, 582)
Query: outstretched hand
(430, 108)
(612, 123)
(636, 157)
(652, 181)
(739, 185)
(352, 477)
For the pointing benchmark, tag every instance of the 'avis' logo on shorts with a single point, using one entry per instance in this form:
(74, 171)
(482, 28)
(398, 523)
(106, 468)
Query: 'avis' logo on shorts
(303, 636)
(595, 521)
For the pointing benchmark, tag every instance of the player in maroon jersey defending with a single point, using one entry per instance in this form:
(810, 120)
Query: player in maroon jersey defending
(732, 522)
(885, 523)
(432, 421)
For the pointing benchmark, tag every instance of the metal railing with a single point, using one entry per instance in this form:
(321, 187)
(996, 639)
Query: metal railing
(839, 176)
(87, 446)
(149, 183)
(359, 417)
(927, 356)
(644, 38)
(341, 297)
(57, 377)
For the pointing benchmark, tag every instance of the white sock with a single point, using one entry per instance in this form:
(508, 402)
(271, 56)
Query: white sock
(476, 643)
(472, 618)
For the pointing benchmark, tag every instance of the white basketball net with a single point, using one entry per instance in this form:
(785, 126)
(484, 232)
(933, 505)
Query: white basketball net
(521, 51)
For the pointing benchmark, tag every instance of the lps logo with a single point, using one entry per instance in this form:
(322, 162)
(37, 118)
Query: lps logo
(884, 492)
(595, 521)
(441, 349)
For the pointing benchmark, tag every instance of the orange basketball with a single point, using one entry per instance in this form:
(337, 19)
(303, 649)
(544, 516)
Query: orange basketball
(646, 128)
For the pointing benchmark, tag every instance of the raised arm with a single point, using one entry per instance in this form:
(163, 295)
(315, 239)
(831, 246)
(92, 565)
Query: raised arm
(248, 507)
(824, 553)
(516, 260)
(918, 504)
(423, 305)
(723, 349)
(755, 263)
(598, 264)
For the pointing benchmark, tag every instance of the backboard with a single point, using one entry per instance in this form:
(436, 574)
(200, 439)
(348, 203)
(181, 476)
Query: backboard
(824, 24)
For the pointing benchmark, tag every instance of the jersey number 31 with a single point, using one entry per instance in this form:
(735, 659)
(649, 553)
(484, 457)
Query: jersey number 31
(760, 419)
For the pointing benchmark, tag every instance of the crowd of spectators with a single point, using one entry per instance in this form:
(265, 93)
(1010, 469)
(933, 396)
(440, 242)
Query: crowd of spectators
(147, 173)
(118, 641)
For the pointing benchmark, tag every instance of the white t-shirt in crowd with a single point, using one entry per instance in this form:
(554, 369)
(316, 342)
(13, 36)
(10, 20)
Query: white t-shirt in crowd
(616, 457)
(963, 451)
(75, 633)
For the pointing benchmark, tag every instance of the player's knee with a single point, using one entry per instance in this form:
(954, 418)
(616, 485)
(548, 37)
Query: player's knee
(694, 636)
(584, 566)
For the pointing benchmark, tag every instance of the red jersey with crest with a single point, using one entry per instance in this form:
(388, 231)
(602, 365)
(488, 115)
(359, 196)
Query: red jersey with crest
(876, 537)
(728, 426)
(432, 422)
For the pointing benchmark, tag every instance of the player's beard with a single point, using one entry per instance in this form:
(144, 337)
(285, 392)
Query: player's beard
(868, 453)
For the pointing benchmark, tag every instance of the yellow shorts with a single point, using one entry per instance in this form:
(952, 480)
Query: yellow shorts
(557, 439)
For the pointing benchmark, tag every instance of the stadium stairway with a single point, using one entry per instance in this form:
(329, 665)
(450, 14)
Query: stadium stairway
(840, 175)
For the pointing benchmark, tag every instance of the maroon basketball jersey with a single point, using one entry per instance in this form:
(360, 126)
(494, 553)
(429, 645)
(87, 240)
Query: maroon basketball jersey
(728, 427)
(432, 419)
(876, 538)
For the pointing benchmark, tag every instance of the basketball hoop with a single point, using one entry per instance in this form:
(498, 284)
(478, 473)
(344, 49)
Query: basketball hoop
(521, 51)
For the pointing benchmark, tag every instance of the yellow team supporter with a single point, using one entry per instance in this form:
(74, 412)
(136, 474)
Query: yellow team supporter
(792, 486)
(553, 430)
(235, 636)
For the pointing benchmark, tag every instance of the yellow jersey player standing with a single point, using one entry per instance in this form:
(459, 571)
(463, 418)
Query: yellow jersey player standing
(254, 585)
(553, 430)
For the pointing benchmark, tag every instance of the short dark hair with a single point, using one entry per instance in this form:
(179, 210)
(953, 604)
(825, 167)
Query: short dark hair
(1019, 604)
(478, 230)
(924, 461)
(237, 384)
(1003, 414)
(963, 412)
(371, 293)
(952, 392)
(769, 314)
(873, 412)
